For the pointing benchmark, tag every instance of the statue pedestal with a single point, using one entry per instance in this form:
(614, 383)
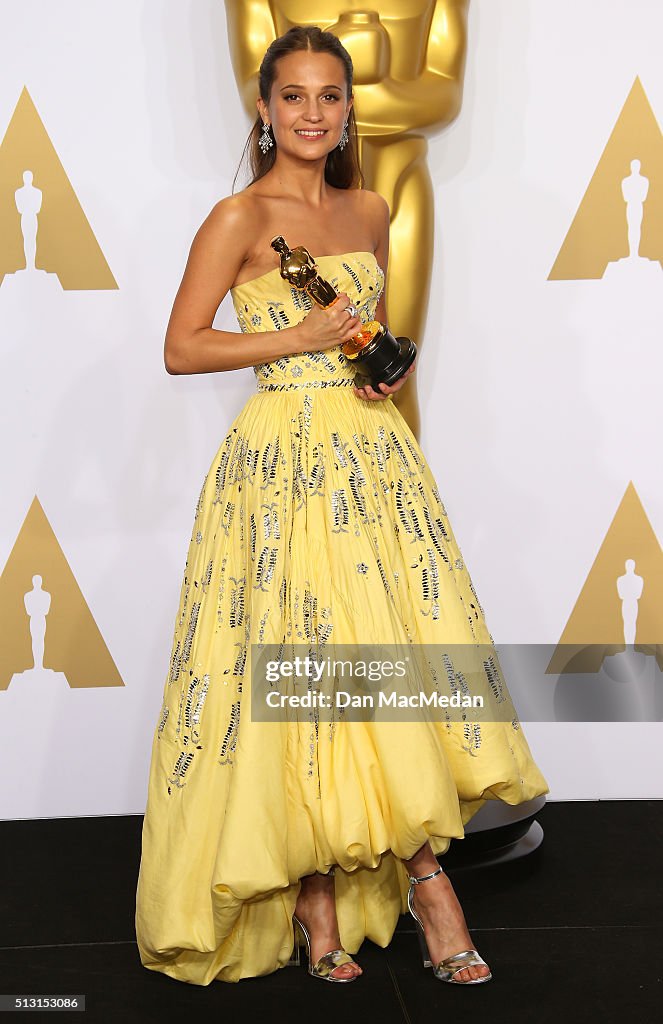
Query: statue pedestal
(497, 834)
(633, 268)
(41, 682)
(626, 689)
(29, 283)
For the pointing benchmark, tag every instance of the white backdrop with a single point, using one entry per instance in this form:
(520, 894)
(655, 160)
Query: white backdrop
(548, 391)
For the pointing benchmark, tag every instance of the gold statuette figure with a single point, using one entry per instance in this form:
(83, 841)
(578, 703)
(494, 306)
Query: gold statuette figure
(377, 355)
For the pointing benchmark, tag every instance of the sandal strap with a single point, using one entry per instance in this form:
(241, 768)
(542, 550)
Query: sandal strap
(425, 878)
(452, 964)
(329, 961)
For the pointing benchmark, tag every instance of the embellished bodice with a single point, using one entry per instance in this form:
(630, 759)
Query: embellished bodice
(268, 303)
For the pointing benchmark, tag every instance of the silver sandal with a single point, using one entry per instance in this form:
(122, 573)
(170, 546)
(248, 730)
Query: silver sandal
(327, 963)
(446, 969)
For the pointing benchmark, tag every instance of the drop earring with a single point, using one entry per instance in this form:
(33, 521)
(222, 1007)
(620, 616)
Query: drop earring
(345, 138)
(265, 141)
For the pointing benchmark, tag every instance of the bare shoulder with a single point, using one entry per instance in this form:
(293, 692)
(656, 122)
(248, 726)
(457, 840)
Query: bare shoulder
(374, 204)
(375, 211)
(233, 218)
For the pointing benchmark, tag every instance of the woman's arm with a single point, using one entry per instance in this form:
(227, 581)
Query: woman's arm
(192, 345)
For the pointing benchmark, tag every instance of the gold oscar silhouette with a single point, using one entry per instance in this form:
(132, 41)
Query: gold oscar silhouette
(409, 62)
(46, 240)
(378, 357)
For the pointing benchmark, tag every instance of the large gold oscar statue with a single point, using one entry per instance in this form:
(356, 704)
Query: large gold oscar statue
(409, 61)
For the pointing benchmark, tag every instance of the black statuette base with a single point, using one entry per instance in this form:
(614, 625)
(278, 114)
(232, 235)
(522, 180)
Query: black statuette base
(385, 362)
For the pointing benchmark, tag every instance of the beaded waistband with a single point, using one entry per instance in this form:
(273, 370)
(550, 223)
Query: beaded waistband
(343, 382)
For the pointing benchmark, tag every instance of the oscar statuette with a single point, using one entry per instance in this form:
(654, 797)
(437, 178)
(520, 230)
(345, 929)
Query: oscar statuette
(377, 356)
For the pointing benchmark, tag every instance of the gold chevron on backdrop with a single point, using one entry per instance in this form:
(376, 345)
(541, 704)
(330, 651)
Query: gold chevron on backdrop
(66, 245)
(598, 234)
(595, 629)
(73, 644)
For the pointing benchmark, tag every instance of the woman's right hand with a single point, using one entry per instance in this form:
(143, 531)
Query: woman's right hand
(325, 327)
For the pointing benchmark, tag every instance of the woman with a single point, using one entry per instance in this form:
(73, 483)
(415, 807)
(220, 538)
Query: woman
(318, 519)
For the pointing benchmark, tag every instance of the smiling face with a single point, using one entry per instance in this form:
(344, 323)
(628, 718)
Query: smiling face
(308, 105)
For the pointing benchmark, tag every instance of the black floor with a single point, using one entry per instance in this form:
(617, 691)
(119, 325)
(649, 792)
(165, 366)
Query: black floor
(572, 933)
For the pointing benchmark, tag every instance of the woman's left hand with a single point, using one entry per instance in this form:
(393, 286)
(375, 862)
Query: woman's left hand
(385, 390)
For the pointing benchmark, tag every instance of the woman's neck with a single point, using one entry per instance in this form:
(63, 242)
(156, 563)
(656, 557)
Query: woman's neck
(302, 180)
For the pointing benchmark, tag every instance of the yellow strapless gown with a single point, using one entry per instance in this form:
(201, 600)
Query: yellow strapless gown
(318, 518)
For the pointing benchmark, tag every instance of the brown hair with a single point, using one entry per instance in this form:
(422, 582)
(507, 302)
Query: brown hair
(342, 168)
